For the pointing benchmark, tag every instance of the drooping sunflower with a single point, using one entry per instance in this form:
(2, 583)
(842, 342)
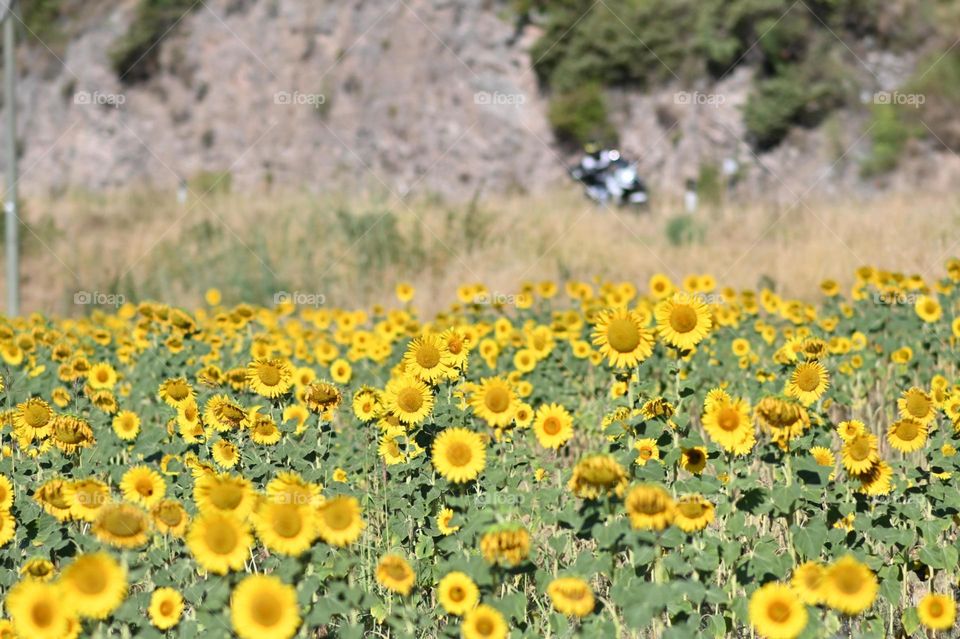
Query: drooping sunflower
(122, 525)
(219, 542)
(916, 404)
(270, 377)
(457, 593)
(484, 622)
(96, 584)
(622, 338)
(224, 493)
(598, 475)
(649, 507)
(553, 425)
(143, 485)
(907, 435)
(808, 582)
(937, 612)
(571, 596)
(322, 398)
(808, 382)
(860, 453)
(126, 424)
(505, 544)
(263, 607)
(223, 414)
(39, 610)
(70, 433)
(683, 320)
(776, 612)
(86, 498)
(339, 520)
(693, 513)
(408, 399)
(53, 499)
(288, 529)
(166, 606)
(727, 422)
(395, 574)
(427, 358)
(459, 455)
(494, 400)
(850, 586)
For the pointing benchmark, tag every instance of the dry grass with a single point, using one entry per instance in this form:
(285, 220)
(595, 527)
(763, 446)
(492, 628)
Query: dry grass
(145, 245)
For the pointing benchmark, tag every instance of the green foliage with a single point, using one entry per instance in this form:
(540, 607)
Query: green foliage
(888, 134)
(710, 184)
(683, 230)
(211, 183)
(580, 116)
(135, 55)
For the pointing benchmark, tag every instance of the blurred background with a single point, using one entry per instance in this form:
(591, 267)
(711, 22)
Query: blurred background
(336, 148)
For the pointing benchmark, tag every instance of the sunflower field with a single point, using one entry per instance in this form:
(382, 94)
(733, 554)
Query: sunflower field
(594, 459)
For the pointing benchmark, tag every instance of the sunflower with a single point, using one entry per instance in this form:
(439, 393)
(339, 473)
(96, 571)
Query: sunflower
(263, 430)
(823, 456)
(8, 527)
(916, 404)
(598, 475)
(95, 583)
(622, 338)
(86, 497)
(727, 422)
(505, 544)
(270, 378)
(850, 429)
(263, 607)
(166, 606)
(571, 596)
(219, 542)
(169, 517)
(484, 622)
(102, 375)
(225, 454)
(33, 420)
(459, 455)
(937, 612)
(445, 522)
(176, 392)
(650, 507)
(808, 382)
(776, 612)
(122, 525)
(907, 435)
(553, 425)
(682, 320)
(850, 586)
(291, 488)
(390, 448)
(224, 493)
(427, 358)
(288, 529)
(860, 453)
(223, 414)
(143, 485)
(494, 401)
(877, 480)
(693, 513)
(808, 582)
(928, 309)
(457, 593)
(6, 493)
(339, 520)
(647, 449)
(693, 459)
(53, 499)
(322, 398)
(395, 574)
(126, 424)
(408, 399)
(39, 610)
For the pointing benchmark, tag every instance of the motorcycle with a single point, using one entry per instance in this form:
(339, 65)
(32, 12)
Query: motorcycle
(608, 178)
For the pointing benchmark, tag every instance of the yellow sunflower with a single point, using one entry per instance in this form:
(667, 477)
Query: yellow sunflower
(6, 493)
(553, 425)
(166, 606)
(409, 399)
(459, 455)
(8, 527)
(40, 610)
(647, 449)
(693, 513)
(622, 338)
(176, 392)
(850, 586)
(683, 321)
(143, 485)
(808, 582)
(860, 453)
(263, 607)
(916, 404)
(650, 507)
(427, 358)
(224, 493)
(33, 420)
(96, 584)
(339, 520)
(693, 459)
(484, 622)
(928, 309)
(776, 612)
(395, 574)
(494, 401)
(808, 382)
(571, 596)
(288, 529)
(219, 542)
(270, 377)
(225, 454)
(457, 593)
(907, 435)
(445, 522)
(598, 475)
(850, 429)
(937, 612)
(126, 424)
(122, 525)
(169, 517)
(52, 497)
(727, 422)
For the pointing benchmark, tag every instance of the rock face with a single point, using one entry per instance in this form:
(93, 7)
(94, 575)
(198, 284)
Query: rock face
(403, 96)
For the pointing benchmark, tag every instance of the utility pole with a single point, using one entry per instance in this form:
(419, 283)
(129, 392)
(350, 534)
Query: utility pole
(10, 205)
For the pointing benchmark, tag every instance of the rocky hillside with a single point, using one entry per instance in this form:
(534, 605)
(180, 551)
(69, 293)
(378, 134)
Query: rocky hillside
(417, 96)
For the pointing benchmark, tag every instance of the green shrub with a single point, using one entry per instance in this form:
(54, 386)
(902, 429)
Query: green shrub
(41, 22)
(580, 116)
(211, 183)
(135, 55)
(683, 230)
(888, 134)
